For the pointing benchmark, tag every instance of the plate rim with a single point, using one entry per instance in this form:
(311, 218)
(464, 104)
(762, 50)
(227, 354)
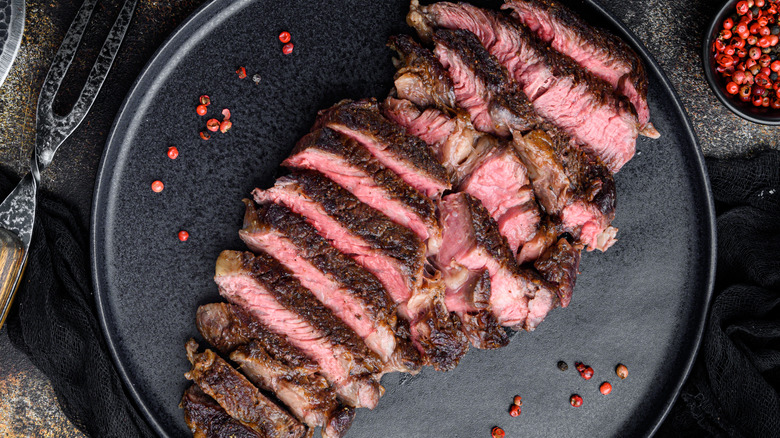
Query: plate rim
(709, 237)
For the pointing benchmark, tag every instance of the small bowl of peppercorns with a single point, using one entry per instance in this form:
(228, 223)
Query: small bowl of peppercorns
(741, 57)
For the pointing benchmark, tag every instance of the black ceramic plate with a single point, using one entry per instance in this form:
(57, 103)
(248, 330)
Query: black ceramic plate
(641, 303)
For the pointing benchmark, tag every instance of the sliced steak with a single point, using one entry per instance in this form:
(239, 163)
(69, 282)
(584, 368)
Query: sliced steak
(394, 254)
(571, 184)
(568, 182)
(270, 292)
(227, 327)
(559, 265)
(561, 91)
(595, 49)
(238, 397)
(433, 330)
(519, 297)
(206, 418)
(469, 299)
(349, 164)
(353, 294)
(420, 77)
(406, 155)
(500, 181)
(309, 397)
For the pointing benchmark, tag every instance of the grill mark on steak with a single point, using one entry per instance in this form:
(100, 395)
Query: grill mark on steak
(352, 293)
(559, 265)
(602, 120)
(434, 332)
(427, 82)
(238, 397)
(519, 297)
(266, 289)
(309, 397)
(470, 301)
(206, 418)
(595, 49)
(406, 155)
(227, 327)
(391, 252)
(350, 165)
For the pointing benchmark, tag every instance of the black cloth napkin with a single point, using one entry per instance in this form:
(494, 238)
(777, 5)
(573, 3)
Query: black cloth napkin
(53, 320)
(734, 389)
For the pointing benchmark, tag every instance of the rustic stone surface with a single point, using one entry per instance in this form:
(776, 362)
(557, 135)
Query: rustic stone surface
(672, 30)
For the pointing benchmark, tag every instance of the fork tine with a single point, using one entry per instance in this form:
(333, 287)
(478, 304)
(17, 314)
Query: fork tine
(52, 129)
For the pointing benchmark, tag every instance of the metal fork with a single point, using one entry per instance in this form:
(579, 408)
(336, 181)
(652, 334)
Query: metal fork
(17, 212)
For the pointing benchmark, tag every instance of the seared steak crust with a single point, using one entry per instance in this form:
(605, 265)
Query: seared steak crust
(242, 400)
(477, 322)
(397, 242)
(360, 119)
(392, 187)
(314, 248)
(227, 327)
(309, 397)
(436, 86)
(206, 418)
(559, 265)
(487, 235)
(281, 283)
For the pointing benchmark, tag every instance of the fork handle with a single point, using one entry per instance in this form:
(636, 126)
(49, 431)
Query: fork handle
(12, 263)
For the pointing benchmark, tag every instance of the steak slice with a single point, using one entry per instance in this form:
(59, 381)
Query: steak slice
(238, 397)
(206, 418)
(309, 397)
(568, 182)
(501, 183)
(470, 301)
(353, 294)
(227, 327)
(559, 265)
(519, 297)
(434, 332)
(350, 165)
(270, 292)
(406, 155)
(561, 91)
(420, 78)
(595, 49)
(394, 254)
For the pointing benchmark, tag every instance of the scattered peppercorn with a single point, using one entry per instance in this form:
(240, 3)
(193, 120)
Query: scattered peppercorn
(605, 388)
(518, 400)
(515, 410)
(157, 186)
(579, 366)
(621, 371)
(497, 432)
(204, 100)
(256, 78)
(212, 125)
(284, 37)
(575, 400)
(226, 113)
(241, 72)
(205, 135)
(563, 366)
(587, 373)
(225, 126)
(173, 153)
(288, 48)
(183, 235)
(201, 110)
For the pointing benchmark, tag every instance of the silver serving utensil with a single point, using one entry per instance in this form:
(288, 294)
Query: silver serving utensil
(17, 212)
(11, 28)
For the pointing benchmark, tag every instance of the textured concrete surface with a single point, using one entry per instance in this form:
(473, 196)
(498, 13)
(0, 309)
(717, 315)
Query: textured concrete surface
(672, 30)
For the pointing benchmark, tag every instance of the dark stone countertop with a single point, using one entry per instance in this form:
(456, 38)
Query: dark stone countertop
(671, 29)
